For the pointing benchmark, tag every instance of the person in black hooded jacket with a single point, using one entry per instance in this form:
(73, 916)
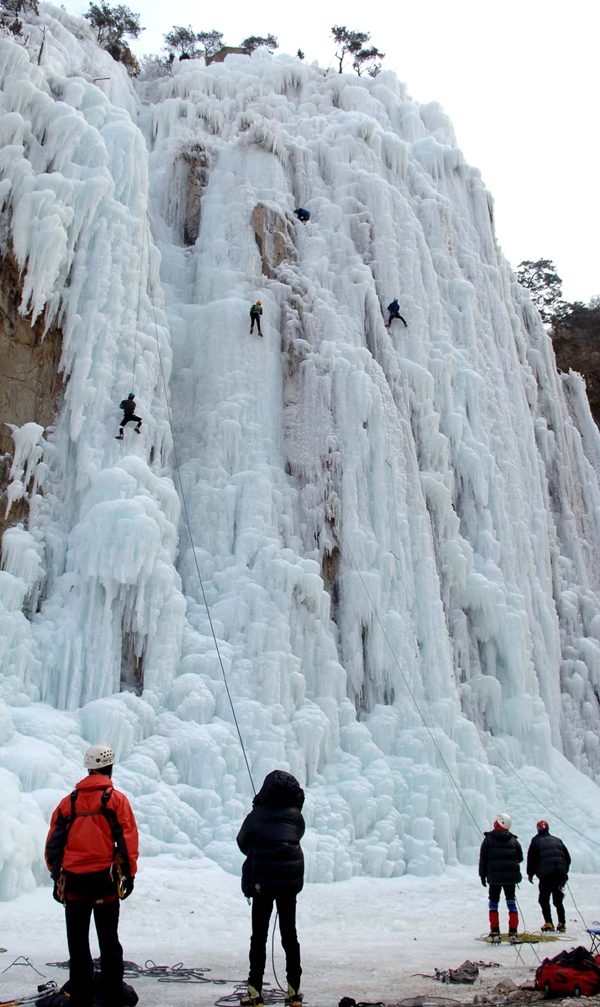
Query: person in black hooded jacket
(499, 859)
(273, 872)
(549, 858)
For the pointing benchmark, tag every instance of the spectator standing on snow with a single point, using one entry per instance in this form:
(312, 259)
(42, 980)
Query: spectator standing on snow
(273, 872)
(91, 853)
(394, 310)
(549, 858)
(128, 407)
(499, 859)
(255, 313)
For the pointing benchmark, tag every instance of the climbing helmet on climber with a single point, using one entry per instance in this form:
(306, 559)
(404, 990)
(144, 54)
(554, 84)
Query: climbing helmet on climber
(255, 313)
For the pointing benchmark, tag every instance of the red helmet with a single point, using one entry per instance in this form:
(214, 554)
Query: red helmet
(542, 825)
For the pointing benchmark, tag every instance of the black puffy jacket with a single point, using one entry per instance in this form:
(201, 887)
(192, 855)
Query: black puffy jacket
(499, 858)
(270, 837)
(548, 855)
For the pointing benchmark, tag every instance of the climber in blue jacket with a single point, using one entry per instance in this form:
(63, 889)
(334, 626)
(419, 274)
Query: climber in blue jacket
(394, 310)
(302, 215)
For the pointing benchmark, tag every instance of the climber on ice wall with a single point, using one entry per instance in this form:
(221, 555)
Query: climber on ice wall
(128, 407)
(255, 313)
(394, 310)
(302, 215)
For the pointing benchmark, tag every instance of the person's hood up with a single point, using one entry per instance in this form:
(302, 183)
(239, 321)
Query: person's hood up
(280, 790)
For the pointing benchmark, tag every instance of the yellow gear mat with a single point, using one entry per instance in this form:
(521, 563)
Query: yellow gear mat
(523, 938)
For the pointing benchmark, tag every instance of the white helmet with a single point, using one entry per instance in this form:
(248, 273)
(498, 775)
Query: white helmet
(504, 820)
(99, 756)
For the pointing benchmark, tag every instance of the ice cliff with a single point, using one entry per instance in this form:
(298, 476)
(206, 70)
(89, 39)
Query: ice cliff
(397, 528)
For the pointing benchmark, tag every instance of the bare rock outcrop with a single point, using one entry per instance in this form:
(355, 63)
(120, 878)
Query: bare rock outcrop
(274, 237)
(30, 382)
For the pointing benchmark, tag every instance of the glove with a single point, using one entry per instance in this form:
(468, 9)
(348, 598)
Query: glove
(483, 883)
(127, 887)
(530, 880)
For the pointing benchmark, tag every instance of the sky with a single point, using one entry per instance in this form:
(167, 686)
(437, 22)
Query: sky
(519, 79)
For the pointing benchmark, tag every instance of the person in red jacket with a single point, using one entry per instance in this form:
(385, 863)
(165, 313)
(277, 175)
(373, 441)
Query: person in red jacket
(91, 853)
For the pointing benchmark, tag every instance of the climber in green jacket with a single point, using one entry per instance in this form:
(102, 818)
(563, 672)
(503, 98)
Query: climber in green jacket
(255, 313)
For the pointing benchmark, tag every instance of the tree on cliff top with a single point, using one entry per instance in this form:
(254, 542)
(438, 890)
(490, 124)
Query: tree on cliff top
(260, 41)
(544, 285)
(353, 43)
(185, 41)
(114, 24)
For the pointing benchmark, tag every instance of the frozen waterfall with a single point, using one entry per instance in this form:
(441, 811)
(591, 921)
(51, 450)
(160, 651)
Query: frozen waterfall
(397, 529)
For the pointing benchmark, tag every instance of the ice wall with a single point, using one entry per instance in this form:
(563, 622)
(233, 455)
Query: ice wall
(397, 529)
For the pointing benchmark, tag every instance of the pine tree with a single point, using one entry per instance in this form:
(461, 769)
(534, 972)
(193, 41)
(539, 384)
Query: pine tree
(260, 41)
(349, 43)
(211, 41)
(113, 25)
(544, 285)
(366, 59)
(183, 41)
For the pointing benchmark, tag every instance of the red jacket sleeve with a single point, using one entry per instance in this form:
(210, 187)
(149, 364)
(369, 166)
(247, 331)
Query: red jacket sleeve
(56, 841)
(130, 832)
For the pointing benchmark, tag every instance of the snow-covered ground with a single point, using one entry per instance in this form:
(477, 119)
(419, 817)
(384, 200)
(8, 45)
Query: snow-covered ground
(361, 938)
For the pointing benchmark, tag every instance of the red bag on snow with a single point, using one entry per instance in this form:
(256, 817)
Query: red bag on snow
(571, 973)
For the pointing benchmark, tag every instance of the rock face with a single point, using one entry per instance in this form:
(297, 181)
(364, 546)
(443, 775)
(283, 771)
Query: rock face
(578, 348)
(226, 51)
(273, 234)
(30, 383)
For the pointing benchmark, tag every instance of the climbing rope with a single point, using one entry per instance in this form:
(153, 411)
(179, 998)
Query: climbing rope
(189, 529)
(451, 777)
(553, 813)
(139, 300)
(486, 734)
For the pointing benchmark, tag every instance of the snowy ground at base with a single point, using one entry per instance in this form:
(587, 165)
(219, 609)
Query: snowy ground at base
(361, 938)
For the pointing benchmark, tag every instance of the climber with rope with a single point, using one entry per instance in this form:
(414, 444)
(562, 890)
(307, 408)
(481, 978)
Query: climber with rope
(549, 858)
(273, 872)
(91, 853)
(128, 407)
(255, 313)
(394, 310)
(499, 859)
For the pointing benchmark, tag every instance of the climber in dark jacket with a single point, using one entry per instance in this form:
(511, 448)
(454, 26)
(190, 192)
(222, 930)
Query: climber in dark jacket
(302, 215)
(394, 310)
(274, 872)
(128, 407)
(499, 859)
(549, 858)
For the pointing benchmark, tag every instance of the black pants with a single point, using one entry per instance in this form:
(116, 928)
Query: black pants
(85, 890)
(550, 885)
(129, 418)
(255, 318)
(262, 907)
(396, 314)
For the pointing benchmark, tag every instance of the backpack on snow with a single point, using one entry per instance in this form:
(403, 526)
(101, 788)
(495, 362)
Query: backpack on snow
(570, 973)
